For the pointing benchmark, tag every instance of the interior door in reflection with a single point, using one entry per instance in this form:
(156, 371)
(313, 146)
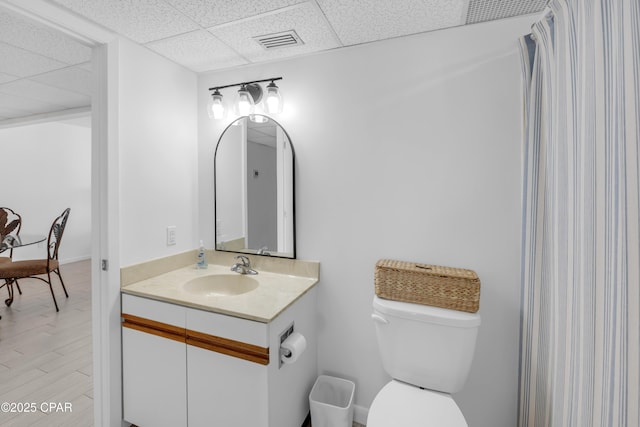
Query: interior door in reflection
(262, 222)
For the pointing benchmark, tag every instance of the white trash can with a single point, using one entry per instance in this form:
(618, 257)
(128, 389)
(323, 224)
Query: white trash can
(331, 402)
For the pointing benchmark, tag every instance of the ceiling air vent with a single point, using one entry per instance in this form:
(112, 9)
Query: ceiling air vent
(278, 40)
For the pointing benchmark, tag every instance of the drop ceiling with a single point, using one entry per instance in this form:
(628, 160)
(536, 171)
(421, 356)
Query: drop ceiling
(43, 71)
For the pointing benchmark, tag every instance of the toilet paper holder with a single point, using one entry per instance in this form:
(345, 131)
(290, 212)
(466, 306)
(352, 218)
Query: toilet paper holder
(283, 351)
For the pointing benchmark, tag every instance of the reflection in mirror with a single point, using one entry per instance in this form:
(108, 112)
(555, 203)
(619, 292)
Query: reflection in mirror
(254, 189)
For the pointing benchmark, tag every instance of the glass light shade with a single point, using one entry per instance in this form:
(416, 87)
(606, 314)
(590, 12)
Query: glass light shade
(273, 100)
(216, 108)
(245, 105)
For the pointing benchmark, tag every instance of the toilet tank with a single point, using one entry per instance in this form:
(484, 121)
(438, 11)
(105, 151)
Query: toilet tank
(426, 346)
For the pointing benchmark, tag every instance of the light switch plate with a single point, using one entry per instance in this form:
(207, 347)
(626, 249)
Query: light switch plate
(171, 235)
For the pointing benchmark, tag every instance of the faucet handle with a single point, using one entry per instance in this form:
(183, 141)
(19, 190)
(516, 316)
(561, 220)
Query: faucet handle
(245, 261)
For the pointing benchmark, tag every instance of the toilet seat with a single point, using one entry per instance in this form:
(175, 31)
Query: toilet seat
(403, 405)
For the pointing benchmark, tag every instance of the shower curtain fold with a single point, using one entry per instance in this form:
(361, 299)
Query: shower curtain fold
(580, 276)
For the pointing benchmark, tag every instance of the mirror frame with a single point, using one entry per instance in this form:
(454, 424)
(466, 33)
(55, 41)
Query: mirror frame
(293, 190)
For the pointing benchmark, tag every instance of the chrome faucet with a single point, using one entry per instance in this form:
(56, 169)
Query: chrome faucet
(264, 251)
(243, 266)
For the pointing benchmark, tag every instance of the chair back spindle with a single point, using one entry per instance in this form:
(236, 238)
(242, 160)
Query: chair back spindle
(55, 234)
(10, 221)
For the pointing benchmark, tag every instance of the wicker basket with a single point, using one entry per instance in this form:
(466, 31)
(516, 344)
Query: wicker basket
(446, 287)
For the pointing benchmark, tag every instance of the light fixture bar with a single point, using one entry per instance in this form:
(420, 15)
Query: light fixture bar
(273, 79)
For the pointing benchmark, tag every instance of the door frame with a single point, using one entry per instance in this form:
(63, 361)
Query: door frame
(105, 283)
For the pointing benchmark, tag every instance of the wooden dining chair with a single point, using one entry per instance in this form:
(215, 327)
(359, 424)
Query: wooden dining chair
(13, 270)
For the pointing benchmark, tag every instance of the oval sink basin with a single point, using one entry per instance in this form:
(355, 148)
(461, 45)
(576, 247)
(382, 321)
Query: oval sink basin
(217, 285)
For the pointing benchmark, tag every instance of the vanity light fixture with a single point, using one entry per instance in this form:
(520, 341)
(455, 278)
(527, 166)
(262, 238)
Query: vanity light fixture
(249, 96)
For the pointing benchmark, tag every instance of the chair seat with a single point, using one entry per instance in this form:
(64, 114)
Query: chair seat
(26, 268)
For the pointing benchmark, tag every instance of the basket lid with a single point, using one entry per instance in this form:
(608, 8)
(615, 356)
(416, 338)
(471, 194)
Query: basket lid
(428, 269)
(426, 313)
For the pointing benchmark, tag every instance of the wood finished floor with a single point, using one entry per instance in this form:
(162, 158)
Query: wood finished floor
(46, 356)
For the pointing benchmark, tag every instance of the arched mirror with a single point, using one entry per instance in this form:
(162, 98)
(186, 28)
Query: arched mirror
(254, 189)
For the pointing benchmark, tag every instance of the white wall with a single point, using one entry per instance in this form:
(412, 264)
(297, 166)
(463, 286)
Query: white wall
(157, 122)
(46, 168)
(406, 149)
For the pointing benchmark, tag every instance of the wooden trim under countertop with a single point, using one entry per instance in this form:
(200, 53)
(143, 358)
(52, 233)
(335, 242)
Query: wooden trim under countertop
(250, 352)
(239, 349)
(153, 327)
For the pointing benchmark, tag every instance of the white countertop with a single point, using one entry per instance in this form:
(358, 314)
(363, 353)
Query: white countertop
(275, 292)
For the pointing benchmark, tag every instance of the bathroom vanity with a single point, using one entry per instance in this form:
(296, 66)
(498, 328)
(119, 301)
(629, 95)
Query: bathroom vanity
(202, 347)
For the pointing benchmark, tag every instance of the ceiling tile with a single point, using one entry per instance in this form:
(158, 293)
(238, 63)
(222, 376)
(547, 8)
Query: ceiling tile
(21, 63)
(370, 20)
(140, 20)
(199, 51)
(215, 12)
(49, 94)
(28, 35)
(306, 19)
(72, 78)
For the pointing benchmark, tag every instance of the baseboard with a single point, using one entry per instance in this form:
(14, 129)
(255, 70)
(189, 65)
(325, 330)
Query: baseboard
(360, 414)
(74, 259)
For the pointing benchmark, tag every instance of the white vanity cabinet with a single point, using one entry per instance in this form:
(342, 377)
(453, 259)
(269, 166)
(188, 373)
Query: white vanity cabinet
(225, 372)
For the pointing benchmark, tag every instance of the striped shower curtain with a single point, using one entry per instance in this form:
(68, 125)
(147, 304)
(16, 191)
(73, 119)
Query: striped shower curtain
(580, 334)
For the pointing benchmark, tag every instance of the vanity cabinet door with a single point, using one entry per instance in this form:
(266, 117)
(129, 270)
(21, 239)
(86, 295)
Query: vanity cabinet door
(225, 391)
(154, 380)
(227, 360)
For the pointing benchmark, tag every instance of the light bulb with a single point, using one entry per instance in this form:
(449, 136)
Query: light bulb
(216, 109)
(245, 104)
(273, 99)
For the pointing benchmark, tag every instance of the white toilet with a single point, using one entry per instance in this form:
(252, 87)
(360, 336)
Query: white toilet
(428, 353)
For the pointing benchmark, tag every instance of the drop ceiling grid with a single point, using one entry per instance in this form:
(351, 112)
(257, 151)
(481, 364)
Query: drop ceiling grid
(7, 78)
(73, 79)
(22, 63)
(305, 18)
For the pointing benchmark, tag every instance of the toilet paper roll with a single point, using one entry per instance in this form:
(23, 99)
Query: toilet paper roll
(293, 347)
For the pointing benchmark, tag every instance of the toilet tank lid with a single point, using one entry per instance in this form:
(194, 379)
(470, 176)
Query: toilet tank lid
(426, 313)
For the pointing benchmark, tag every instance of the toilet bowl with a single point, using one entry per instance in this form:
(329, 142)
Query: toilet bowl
(428, 353)
(400, 404)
